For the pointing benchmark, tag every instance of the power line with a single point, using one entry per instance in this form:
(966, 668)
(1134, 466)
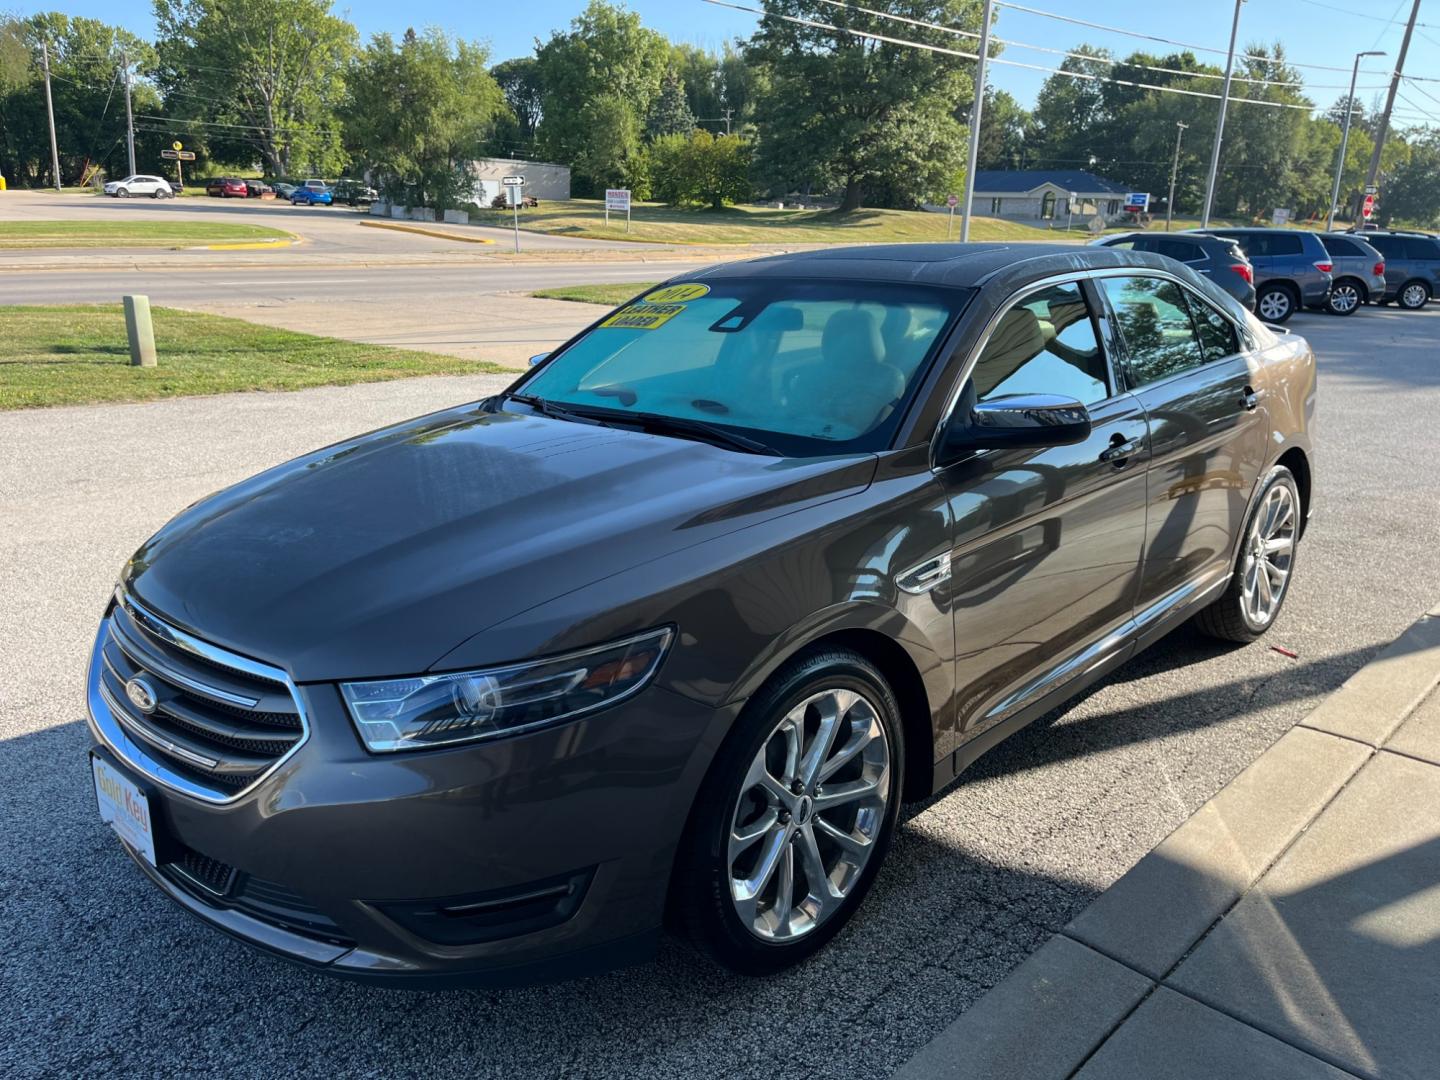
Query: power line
(1162, 40)
(1365, 14)
(871, 36)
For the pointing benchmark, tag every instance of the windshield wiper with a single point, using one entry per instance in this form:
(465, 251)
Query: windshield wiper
(550, 409)
(658, 422)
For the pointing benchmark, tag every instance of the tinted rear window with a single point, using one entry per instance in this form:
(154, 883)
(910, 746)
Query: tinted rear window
(1340, 247)
(1419, 248)
(1183, 250)
(1392, 247)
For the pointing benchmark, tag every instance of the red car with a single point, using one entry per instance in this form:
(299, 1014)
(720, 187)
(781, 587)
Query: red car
(227, 188)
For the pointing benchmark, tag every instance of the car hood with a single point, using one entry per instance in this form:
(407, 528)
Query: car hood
(379, 555)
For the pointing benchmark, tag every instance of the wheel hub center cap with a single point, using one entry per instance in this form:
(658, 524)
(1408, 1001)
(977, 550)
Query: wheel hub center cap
(804, 810)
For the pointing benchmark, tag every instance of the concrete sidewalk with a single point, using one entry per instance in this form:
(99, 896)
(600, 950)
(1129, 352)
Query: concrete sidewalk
(1289, 930)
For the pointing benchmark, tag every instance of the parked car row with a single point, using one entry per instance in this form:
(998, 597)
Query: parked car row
(1276, 272)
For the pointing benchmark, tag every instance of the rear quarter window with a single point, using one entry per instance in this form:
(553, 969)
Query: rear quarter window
(1418, 248)
(1392, 247)
(1340, 247)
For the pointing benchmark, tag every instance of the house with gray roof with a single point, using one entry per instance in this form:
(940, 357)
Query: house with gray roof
(1038, 195)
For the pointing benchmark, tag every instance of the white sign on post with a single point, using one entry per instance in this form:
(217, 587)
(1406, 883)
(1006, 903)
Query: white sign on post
(1280, 216)
(1137, 202)
(617, 199)
(513, 187)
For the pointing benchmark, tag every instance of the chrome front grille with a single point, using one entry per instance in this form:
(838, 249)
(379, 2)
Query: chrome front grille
(191, 715)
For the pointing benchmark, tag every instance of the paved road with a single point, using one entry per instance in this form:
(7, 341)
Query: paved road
(432, 284)
(326, 229)
(101, 974)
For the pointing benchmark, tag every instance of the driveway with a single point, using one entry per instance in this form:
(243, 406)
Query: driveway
(102, 974)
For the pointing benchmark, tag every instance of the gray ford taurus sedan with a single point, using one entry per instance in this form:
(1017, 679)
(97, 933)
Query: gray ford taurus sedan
(669, 630)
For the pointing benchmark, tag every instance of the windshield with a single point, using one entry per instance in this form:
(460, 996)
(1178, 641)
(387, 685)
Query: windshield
(804, 367)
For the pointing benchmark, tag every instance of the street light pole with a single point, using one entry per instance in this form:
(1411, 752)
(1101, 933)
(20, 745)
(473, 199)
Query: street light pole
(1345, 138)
(129, 116)
(1180, 127)
(975, 110)
(1220, 123)
(50, 112)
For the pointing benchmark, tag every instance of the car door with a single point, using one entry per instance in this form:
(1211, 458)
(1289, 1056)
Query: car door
(1045, 563)
(1186, 363)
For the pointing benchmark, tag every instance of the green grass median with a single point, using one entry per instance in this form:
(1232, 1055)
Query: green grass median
(609, 295)
(79, 354)
(18, 235)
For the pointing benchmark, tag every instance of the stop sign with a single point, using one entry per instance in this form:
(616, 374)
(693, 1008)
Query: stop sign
(1367, 208)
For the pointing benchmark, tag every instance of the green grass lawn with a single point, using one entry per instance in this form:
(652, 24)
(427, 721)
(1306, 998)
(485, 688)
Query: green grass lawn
(658, 223)
(15, 235)
(76, 354)
(609, 295)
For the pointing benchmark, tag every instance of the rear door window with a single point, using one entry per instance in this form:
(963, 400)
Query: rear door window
(1046, 344)
(1419, 248)
(1392, 247)
(1154, 321)
(1216, 333)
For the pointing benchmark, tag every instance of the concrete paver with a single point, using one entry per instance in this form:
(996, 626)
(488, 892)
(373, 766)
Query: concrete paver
(1337, 949)
(1171, 1037)
(1151, 916)
(1419, 736)
(1376, 698)
(1070, 992)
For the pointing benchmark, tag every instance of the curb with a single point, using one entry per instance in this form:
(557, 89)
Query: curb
(421, 231)
(249, 245)
(1114, 960)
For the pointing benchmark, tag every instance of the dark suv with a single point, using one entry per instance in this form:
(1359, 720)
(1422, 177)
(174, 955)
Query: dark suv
(1292, 269)
(675, 624)
(1216, 257)
(1412, 266)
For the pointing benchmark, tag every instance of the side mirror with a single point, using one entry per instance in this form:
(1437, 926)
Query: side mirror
(1016, 422)
(538, 358)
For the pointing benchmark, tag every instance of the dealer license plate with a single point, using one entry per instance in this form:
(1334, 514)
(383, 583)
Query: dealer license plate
(124, 807)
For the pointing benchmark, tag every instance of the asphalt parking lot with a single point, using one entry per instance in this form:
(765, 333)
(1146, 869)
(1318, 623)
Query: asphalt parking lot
(100, 973)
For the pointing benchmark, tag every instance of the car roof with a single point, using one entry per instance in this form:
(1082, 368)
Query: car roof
(945, 265)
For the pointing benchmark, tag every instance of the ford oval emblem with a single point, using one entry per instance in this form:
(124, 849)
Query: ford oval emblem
(141, 695)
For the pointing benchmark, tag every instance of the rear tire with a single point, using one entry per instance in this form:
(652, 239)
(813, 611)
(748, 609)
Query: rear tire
(789, 829)
(123, 193)
(1345, 297)
(1264, 566)
(1275, 303)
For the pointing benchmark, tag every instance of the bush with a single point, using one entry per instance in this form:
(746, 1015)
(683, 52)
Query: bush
(700, 169)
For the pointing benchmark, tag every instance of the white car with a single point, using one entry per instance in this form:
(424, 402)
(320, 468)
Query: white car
(154, 186)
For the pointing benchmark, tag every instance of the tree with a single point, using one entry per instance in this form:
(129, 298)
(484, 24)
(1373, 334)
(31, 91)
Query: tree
(86, 87)
(858, 115)
(519, 81)
(263, 77)
(1412, 189)
(606, 55)
(700, 168)
(612, 155)
(1070, 113)
(1005, 131)
(418, 113)
(670, 113)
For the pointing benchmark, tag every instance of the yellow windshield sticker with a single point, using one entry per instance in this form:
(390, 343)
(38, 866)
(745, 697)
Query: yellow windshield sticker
(677, 294)
(642, 315)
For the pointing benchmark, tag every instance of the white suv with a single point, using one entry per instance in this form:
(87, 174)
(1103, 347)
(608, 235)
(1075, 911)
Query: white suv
(154, 186)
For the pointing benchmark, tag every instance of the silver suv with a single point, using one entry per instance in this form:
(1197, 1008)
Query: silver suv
(1358, 273)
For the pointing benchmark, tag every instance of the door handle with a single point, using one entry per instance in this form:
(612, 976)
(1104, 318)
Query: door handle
(1119, 450)
(1251, 398)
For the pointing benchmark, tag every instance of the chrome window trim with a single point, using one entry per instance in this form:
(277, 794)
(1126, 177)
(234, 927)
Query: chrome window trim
(1040, 284)
(108, 725)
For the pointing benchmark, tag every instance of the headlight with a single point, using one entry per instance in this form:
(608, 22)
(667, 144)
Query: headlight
(464, 706)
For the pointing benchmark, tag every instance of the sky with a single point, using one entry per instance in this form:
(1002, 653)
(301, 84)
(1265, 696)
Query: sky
(1319, 32)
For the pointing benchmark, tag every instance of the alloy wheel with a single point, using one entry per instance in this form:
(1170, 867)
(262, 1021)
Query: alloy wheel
(809, 814)
(1275, 305)
(1269, 554)
(1344, 298)
(1414, 296)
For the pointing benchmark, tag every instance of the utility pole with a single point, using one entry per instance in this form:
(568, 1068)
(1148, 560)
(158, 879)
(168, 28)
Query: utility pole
(50, 112)
(129, 116)
(1220, 123)
(728, 113)
(976, 108)
(1345, 137)
(1180, 127)
(1384, 125)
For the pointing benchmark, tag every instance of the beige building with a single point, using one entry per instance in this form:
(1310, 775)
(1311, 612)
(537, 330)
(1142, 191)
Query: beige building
(1045, 194)
(543, 179)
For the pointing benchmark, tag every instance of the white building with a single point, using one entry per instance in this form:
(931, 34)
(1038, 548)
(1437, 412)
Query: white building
(1045, 194)
(543, 179)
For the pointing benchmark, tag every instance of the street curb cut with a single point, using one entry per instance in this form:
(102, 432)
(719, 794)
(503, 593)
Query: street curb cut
(419, 231)
(1044, 1020)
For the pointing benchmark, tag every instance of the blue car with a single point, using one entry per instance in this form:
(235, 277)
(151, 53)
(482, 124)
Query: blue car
(312, 193)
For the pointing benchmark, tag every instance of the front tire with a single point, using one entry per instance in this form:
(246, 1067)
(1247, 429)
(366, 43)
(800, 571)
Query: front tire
(1263, 569)
(123, 193)
(1413, 296)
(1275, 303)
(1345, 297)
(795, 816)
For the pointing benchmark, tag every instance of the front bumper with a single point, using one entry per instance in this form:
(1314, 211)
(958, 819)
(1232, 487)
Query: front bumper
(539, 857)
